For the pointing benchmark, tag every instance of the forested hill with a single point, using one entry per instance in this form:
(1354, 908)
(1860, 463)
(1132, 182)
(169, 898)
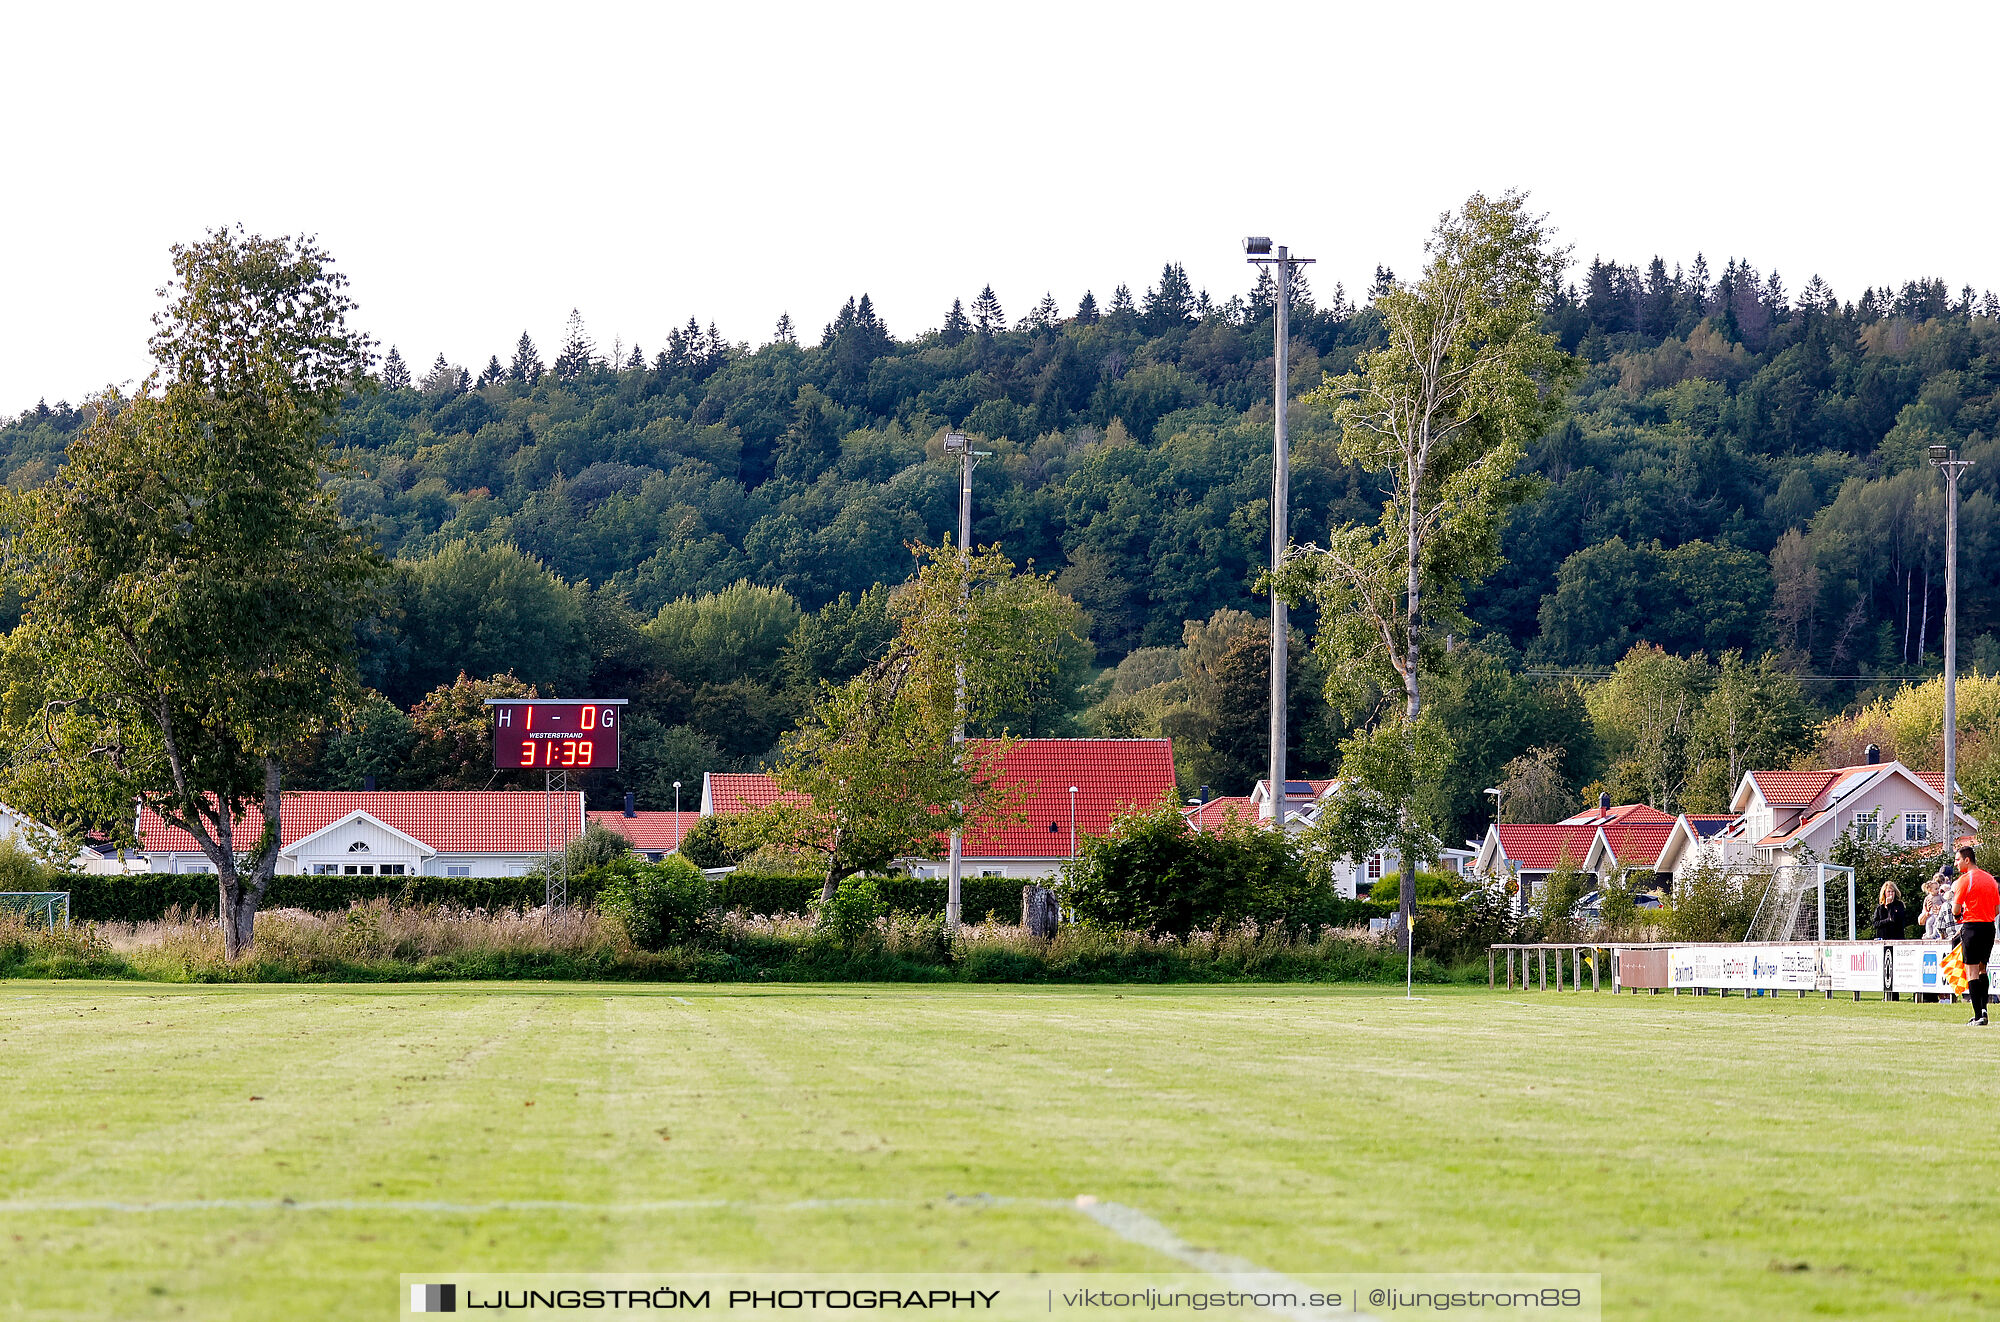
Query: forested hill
(1744, 468)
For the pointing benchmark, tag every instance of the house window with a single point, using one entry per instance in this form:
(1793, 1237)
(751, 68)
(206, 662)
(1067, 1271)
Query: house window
(358, 847)
(1868, 826)
(326, 869)
(392, 869)
(366, 869)
(1916, 827)
(458, 870)
(991, 872)
(1374, 867)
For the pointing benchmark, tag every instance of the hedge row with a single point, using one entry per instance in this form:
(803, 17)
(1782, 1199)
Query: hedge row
(147, 896)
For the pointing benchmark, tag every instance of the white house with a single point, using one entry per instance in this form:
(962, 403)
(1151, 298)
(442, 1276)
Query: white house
(1786, 813)
(1702, 839)
(392, 833)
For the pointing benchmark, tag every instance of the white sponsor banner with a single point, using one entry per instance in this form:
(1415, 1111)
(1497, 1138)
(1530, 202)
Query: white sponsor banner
(1748, 967)
(1852, 966)
(1914, 966)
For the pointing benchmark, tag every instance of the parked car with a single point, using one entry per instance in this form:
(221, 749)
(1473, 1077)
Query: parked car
(1590, 908)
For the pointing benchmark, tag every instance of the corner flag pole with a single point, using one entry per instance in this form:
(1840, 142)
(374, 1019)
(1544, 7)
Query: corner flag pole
(1410, 957)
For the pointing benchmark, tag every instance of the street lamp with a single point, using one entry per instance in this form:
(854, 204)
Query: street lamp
(1072, 823)
(1494, 795)
(1257, 250)
(677, 817)
(1946, 461)
(960, 444)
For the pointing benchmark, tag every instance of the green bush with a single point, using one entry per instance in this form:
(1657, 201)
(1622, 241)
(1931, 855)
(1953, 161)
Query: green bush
(851, 915)
(1714, 904)
(1152, 874)
(1431, 887)
(669, 903)
(705, 846)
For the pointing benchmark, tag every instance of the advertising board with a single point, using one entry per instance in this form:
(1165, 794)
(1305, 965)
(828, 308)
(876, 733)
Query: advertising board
(1853, 967)
(1913, 966)
(1745, 967)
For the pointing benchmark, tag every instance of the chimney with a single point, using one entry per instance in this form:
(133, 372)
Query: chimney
(1874, 755)
(368, 784)
(631, 803)
(1604, 801)
(1204, 794)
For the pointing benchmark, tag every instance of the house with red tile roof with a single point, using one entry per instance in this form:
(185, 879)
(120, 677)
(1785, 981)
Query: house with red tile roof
(1783, 814)
(1111, 776)
(391, 833)
(1629, 846)
(1529, 852)
(652, 834)
(1218, 813)
(1698, 839)
(1607, 813)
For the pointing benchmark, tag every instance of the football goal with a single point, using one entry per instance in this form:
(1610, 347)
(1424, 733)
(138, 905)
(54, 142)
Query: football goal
(42, 905)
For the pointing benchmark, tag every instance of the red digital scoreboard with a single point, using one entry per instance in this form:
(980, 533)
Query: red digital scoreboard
(555, 734)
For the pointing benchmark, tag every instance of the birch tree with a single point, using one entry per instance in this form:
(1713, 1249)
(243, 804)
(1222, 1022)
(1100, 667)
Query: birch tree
(1443, 413)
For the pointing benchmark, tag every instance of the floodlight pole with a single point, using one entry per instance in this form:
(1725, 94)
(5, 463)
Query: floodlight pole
(1258, 250)
(677, 817)
(1072, 823)
(968, 459)
(1946, 461)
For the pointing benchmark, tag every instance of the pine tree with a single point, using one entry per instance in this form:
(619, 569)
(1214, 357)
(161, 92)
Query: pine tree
(715, 354)
(578, 354)
(1263, 294)
(395, 372)
(956, 327)
(1123, 312)
(1697, 286)
(1086, 311)
(492, 372)
(442, 377)
(635, 361)
(784, 333)
(1989, 305)
(1047, 314)
(1170, 304)
(987, 317)
(527, 365)
(1385, 280)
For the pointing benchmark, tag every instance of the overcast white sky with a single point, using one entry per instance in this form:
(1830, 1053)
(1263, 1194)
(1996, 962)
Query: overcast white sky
(478, 169)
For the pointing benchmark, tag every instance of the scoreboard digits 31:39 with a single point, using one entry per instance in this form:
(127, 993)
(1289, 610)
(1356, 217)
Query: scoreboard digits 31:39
(555, 734)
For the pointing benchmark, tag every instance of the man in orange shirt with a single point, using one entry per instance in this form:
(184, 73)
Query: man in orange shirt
(1975, 899)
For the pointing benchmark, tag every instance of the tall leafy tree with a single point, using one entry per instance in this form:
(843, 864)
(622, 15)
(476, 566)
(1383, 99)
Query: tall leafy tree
(873, 773)
(1443, 411)
(193, 588)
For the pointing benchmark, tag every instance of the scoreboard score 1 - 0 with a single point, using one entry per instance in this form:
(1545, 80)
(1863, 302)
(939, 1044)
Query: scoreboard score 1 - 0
(556, 734)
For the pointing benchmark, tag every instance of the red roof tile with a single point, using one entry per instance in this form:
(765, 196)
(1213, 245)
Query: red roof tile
(449, 821)
(1215, 814)
(1540, 848)
(1793, 789)
(1111, 776)
(649, 831)
(1633, 843)
(730, 793)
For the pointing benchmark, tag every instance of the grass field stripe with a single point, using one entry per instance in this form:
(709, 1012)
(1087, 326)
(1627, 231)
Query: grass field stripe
(34, 1206)
(1135, 1227)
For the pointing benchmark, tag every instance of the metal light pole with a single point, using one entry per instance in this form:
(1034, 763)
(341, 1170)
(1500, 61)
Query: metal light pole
(1946, 461)
(677, 817)
(1072, 823)
(1259, 253)
(968, 458)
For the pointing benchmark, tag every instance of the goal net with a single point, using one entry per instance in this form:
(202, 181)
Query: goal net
(41, 906)
(1804, 902)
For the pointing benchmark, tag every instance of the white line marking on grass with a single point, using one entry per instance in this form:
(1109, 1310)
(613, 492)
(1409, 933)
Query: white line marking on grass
(1135, 1227)
(684, 1000)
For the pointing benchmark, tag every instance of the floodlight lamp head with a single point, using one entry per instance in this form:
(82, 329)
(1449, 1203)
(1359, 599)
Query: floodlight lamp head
(1257, 246)
(1940, 454)
(954, 442)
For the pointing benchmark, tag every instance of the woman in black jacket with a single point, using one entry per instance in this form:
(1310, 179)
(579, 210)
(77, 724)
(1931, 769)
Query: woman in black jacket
(1890, 916)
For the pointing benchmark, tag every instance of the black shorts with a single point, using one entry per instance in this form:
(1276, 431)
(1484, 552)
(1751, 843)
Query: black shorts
(1975, 942)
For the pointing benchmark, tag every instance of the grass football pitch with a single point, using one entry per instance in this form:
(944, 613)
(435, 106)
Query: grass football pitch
(252, 1152)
